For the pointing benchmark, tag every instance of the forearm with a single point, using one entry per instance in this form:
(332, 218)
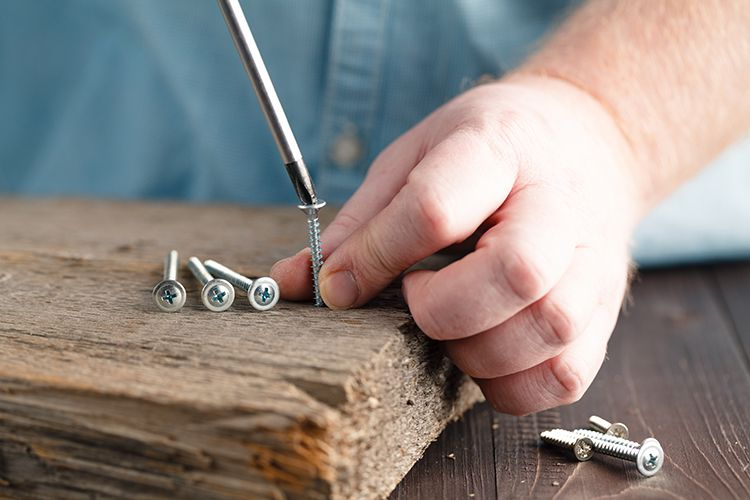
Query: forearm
(673, 74)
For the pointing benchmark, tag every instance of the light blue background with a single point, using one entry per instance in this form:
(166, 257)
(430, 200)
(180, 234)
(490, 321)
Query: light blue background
(147, 99)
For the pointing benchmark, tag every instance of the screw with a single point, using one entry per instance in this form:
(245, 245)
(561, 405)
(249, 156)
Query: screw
(607, 437)
(169, 294)
(648, 456)
(263, 293)
(601, 425)
(316, 251)
(582, 447)
(217, 294)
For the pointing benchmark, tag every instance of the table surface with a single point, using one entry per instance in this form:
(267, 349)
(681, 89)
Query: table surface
(678, 369)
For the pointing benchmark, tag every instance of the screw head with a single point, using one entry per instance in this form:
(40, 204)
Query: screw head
(264, 294)
(217, 295)
(650, 457)
(169, 295)
(619, 430)
(583, 449)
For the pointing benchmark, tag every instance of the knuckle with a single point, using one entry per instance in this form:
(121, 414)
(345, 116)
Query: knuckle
(375, 265)
(471, 361)
(431, 217)
(567, 382)
(556, 324)
(425, 309)
(499, 132)
(345, 221)
(525, 273)
(425, 318)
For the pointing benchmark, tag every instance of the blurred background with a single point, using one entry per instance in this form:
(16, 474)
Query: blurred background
(147, 99)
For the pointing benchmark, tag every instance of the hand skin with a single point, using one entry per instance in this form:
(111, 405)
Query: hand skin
(554, 166)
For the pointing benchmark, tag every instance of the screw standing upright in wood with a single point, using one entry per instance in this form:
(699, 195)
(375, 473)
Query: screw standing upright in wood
(290, 153)
(169, 294)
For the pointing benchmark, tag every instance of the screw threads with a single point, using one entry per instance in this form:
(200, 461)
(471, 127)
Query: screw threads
(615, 449)
(606, 437)
(316, 253)
(582, 447)
(559, 437)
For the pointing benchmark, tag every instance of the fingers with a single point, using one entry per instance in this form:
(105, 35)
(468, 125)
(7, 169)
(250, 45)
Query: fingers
(539, 332)
(384, 179)
(516, 263)
(559, 381)
(443, 202)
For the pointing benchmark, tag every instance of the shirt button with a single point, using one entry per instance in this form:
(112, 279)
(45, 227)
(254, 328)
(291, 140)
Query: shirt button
(348, 149)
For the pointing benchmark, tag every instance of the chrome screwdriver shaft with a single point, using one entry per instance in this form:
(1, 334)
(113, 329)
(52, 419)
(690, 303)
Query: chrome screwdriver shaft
(282, 132)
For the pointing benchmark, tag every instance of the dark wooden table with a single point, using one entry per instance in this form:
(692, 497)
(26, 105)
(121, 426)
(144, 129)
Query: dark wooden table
(678, 369)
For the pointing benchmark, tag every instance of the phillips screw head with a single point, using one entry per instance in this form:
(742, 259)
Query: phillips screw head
(217, 295)
(169, 295)
(264, 294)
(650, 457)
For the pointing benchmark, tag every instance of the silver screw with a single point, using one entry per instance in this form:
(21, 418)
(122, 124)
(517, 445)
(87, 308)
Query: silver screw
(316, 250)
(169, 294)
(217, 294)
(617, 429)
(263, 293)
(606, 437)
(648, 456)
(582, 447)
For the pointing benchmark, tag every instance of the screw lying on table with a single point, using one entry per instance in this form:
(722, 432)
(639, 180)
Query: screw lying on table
(648, 456)
(169, 294)
(217, 294)
(263, 293)
(605, 427)
(606, 437)
(582, 447)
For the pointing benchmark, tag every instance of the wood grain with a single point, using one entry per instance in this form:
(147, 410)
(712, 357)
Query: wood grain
(675, 370)
(102, 395)
(733, 282)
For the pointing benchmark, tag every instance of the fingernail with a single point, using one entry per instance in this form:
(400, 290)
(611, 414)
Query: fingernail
(340, 290)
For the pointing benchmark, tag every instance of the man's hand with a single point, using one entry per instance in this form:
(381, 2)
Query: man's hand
(553, 166)
(542, 170)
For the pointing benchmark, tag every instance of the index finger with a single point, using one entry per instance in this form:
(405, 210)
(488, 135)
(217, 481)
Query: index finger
(454, 188)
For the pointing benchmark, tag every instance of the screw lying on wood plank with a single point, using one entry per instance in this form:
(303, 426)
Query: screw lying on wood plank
(169, 294)
(263, 293)
(217, 294)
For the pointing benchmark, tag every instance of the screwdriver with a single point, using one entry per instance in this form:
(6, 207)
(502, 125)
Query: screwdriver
(290, 153)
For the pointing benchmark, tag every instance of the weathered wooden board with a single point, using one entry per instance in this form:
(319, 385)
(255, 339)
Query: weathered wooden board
(103, 395)
(675, 370)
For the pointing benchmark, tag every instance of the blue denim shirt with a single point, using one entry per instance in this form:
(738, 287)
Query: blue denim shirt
(148, 99)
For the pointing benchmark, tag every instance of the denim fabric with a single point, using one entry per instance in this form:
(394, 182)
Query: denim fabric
(147, 98)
